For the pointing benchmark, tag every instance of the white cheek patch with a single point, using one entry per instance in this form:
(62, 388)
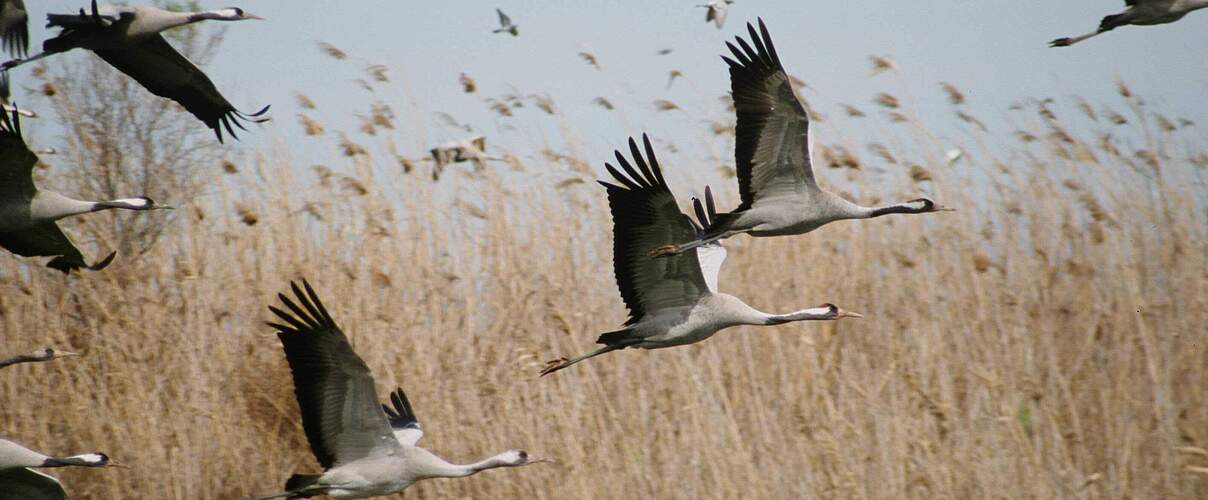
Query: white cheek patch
(136, 202)
(817, 311)
(92, 458)
(916, 205)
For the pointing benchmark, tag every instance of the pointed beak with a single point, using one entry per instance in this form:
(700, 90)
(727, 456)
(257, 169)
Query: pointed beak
(165, 207)
(113, 463)
(941, 208)
(541, 461)
(849, 314)
(66, 354)
(253, 16)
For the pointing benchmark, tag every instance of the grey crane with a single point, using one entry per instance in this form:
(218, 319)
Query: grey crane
(19, 480)
(14, 27)
(506, 25)
(772, 152)
(129, 39)
(366, 449)
(675, 300)
(716, 11)
(43, 354)
(28, 214)
(1140, 13)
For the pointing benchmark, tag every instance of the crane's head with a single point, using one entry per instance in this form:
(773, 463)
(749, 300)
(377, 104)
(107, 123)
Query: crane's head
(517, 458)
(94, 459)
(924, 205)
(835, 312)
(47, 354)
(140, 203)
(233, 14)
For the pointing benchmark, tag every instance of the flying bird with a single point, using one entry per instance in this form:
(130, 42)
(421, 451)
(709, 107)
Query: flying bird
(14, 27)
(773, 151)
(716, 12)
(19, 480)
(505, 24)
(129, 39)
(1140, 13)
(471, 149)
(28, 214)
(43, 354)
(675, 300)
(365, 449)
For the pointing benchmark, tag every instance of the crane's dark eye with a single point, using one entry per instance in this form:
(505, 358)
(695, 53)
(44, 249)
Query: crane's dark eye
(238, 12)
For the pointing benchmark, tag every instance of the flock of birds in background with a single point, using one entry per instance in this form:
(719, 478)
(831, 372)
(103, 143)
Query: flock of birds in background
(666, 263)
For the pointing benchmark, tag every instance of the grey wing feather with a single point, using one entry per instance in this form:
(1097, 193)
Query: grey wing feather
(772, 146)
(504, 20)
(166, 73)
(16, 161)
(27, 484)
(645, 215)
(14, 27)
(333, 386)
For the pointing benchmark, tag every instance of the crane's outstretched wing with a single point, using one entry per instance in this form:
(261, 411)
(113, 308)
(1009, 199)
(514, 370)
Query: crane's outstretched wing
(14, 27)
(334, 387)
(772, 145)
(166, 73)
(16, 161)
(28, 484)
(402, 419)
(645, 215)
(710, 255)
(504, 20)
(47, 240)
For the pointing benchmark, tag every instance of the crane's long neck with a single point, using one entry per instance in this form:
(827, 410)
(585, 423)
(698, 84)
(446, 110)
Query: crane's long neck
(24, 358)
(51, 206)
(813, 313)
(909, 207)
(441, 468)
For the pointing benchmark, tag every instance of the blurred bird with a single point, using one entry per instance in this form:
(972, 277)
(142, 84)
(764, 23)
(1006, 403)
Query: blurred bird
(129, 39)
(14, 27)
(603, 103)
(18, 480)
(717, 11)
(472, 149)
(366, 449)
(28, 214)
(675, 300)
(1140, 13)
(663, 52)
(505, 24)
(773, 150)
(675, 73)
(43, 354)
(467, 84)
(590, 58)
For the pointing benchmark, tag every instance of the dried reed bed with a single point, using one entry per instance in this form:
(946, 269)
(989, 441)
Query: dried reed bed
(1046, 341)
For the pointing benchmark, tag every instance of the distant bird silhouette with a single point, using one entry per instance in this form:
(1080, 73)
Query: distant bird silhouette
(505, 24)
(129, 39)
(717, 10)
(28, 214)
(1140, 13)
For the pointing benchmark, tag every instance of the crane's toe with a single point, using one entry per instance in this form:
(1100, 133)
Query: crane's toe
(554, 365)
(1061, 42)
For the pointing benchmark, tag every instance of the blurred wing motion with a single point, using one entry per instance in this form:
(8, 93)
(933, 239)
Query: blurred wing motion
(14, 27)
(28, 484)
(334, 388)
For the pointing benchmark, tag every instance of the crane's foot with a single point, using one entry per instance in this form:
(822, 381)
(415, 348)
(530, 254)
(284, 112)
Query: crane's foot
(664, 250)
(554, 365)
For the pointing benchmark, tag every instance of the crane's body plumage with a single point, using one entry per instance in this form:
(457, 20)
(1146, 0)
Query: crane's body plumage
(365, 449)
(1139, 13)
(673, 300)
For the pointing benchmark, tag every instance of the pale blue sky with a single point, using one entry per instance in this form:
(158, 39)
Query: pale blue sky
(995, 50)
